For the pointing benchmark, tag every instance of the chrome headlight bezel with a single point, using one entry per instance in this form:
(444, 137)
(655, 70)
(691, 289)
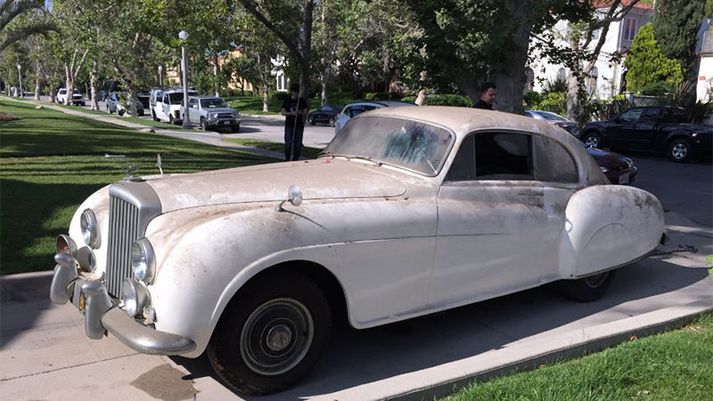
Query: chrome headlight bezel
(143, 260)
(135, 296)
(90, 228)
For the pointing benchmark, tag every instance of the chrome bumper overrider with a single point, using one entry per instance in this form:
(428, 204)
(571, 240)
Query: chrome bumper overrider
(101, 315)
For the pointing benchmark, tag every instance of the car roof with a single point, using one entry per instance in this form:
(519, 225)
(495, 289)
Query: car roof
(383, 103)
(464, 120)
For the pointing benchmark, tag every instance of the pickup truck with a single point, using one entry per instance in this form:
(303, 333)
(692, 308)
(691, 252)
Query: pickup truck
(211, 112)
(652, 128)
(168, 106)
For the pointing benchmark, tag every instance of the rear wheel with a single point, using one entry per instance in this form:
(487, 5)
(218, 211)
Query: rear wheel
(592, 140)
(272, 335)
(589, 288)
(679, 150)
(235, 128)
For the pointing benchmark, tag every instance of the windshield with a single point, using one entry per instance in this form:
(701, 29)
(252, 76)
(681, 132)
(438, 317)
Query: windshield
(412, 145)
(213, 103)
(550, 116)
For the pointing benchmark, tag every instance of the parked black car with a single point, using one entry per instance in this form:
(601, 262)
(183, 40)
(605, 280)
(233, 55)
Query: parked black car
(654, 128)
(144, 99)
(325, 114)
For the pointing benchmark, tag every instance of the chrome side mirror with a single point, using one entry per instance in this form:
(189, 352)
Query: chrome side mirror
(294, 195)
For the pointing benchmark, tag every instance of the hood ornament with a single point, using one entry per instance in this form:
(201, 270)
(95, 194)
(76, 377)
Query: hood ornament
(294, 196)
(130, 170)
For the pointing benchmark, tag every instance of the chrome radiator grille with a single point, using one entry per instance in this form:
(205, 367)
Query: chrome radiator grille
(124, 229)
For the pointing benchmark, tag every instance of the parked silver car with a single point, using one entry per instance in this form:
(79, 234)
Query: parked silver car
(211, 112)
(114, 105)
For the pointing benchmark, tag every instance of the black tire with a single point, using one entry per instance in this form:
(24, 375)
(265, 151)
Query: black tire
(592, 140)
(121, 112)
(679, 150)
(587, 289)
(235, 128)
(171, 119)
(272, 335)
(153, 115)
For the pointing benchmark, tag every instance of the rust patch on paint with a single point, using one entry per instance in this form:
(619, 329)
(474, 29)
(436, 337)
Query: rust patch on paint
(166, 383)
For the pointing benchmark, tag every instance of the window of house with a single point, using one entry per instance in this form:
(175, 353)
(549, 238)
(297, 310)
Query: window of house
(629, 28)
(512, 156)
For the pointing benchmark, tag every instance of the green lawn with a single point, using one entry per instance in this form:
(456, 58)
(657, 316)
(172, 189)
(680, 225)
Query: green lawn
(307, 152)
(51, 161)
(673, 366)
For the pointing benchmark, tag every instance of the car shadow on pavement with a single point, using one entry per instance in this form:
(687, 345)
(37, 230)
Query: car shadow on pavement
(359, 357)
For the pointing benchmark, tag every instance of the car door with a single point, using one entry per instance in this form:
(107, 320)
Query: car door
(623, 133)
(194, 113)
(500, 216)
(645, 130)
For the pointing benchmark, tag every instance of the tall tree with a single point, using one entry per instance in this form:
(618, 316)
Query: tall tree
(38, 23)
(646, 62)
(676, 24)
(579, 47)
(291, 22)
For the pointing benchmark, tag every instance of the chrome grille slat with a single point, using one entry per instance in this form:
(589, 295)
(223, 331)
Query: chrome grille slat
(123, 231)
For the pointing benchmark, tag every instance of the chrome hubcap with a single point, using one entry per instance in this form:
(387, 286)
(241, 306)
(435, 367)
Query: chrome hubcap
(591, 142)
(679, 151)
(276, 336)
(596, 280)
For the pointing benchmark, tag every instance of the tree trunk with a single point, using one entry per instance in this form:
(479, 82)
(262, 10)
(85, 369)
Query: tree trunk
(510, 75)
(216, 69)
(94, 99)
(69, 84)
(38, 81)
(265, 98)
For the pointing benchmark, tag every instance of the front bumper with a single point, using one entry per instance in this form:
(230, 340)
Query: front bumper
(101, 315)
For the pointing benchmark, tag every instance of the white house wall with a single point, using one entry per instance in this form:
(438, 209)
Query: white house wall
(608, 81)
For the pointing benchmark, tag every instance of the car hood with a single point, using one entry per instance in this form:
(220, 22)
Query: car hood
(606, 159)
(220, 110)
(318, 179)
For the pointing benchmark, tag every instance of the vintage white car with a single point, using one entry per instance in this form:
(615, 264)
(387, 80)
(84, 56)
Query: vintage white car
(410, 211)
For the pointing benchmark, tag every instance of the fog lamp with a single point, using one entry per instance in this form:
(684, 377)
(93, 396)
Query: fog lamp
(135, 296)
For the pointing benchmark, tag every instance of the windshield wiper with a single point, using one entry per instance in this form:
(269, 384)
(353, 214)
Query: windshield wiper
(378, 163)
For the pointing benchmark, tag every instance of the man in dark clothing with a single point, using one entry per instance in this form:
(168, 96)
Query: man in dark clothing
(487, 96)
(295, 110)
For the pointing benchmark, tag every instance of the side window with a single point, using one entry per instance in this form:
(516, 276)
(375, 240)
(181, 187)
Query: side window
(552, 162)
(503, 156)
(631, 116)
(673, 116)
(650, 115)
(355, 111)
(463, 167)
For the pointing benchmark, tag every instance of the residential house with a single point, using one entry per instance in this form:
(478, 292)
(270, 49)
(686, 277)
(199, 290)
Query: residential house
(607, 78)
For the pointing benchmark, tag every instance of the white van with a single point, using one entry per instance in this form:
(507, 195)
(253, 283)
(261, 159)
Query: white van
(168, 105)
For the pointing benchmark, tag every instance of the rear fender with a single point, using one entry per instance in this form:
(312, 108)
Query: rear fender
(607, 226)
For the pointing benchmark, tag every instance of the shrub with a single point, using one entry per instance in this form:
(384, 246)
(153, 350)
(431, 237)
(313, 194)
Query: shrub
(410, 99)
(555, 102)
(532, 99)
(656, 89)
(279, 97)
(449, 100)
(381, 96)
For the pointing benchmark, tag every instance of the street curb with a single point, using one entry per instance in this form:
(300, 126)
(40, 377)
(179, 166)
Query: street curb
(530, 355)
(24, 287)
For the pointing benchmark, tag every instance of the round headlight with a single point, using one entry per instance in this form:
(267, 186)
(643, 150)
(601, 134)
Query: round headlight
(90, 228)
(135, 296)
(604, 169)
(143, 262)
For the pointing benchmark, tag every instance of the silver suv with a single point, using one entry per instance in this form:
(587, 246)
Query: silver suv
(211, 112)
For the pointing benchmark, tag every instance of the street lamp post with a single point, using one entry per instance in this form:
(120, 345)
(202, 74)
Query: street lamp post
(183, 35)
(160, 76)
(19, 81)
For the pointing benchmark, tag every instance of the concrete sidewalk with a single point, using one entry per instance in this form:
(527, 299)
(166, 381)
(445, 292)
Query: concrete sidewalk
(47, 356)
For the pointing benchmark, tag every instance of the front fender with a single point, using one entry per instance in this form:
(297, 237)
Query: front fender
(205, 255)
(608, 226)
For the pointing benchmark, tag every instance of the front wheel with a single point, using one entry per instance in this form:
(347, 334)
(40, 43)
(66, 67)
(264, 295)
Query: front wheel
(592, 140)
(272, 335)
(679, 150)
(202, 124)
(235, 128)
(589, 288)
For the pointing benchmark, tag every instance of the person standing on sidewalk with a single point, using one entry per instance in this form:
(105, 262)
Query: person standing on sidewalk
(295, 110)
(487, 96)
